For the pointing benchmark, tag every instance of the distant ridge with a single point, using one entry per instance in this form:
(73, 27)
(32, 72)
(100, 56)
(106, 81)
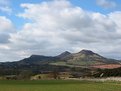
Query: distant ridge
(85, 58)
(80, 64)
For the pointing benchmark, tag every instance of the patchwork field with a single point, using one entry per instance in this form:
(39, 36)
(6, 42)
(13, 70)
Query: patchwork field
(108, 66)
(59, 85)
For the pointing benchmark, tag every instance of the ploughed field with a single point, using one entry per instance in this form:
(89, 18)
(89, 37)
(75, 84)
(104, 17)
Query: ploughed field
(58, 85)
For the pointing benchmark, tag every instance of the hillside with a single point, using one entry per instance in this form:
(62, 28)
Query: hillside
(77, 64)
(83, 58)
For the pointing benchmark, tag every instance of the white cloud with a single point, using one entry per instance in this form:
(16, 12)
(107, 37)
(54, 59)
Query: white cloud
(6, 9)
(57, 26)
(6, 27)
(5, 6)
(106, 3)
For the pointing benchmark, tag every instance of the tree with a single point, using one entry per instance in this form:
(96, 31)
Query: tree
(25, 74)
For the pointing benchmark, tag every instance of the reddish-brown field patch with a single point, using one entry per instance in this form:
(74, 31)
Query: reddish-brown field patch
(107, 66)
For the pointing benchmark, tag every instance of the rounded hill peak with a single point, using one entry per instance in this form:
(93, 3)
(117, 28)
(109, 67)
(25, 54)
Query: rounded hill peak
(87, 52)
(64, 54)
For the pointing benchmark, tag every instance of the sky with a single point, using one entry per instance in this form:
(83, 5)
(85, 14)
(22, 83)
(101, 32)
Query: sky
(49, 27)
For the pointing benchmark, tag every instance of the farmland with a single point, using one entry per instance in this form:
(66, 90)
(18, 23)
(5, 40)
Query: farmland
(58, 85)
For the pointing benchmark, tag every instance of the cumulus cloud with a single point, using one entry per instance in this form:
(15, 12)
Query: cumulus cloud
(6, 27)
(106, 3)
(57, 26)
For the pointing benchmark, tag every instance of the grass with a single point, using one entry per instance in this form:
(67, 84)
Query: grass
(69, 64)
(73, 63)
(58, 85)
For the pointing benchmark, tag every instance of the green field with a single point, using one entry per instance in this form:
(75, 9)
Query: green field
(59, 85)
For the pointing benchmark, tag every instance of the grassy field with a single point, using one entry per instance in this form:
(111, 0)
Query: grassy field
(59, 85)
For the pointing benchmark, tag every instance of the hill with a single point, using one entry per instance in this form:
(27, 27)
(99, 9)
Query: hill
(74, 63)
(83, 58)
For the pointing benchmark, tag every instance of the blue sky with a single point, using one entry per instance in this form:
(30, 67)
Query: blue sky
(49, 27)
(89, 5)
